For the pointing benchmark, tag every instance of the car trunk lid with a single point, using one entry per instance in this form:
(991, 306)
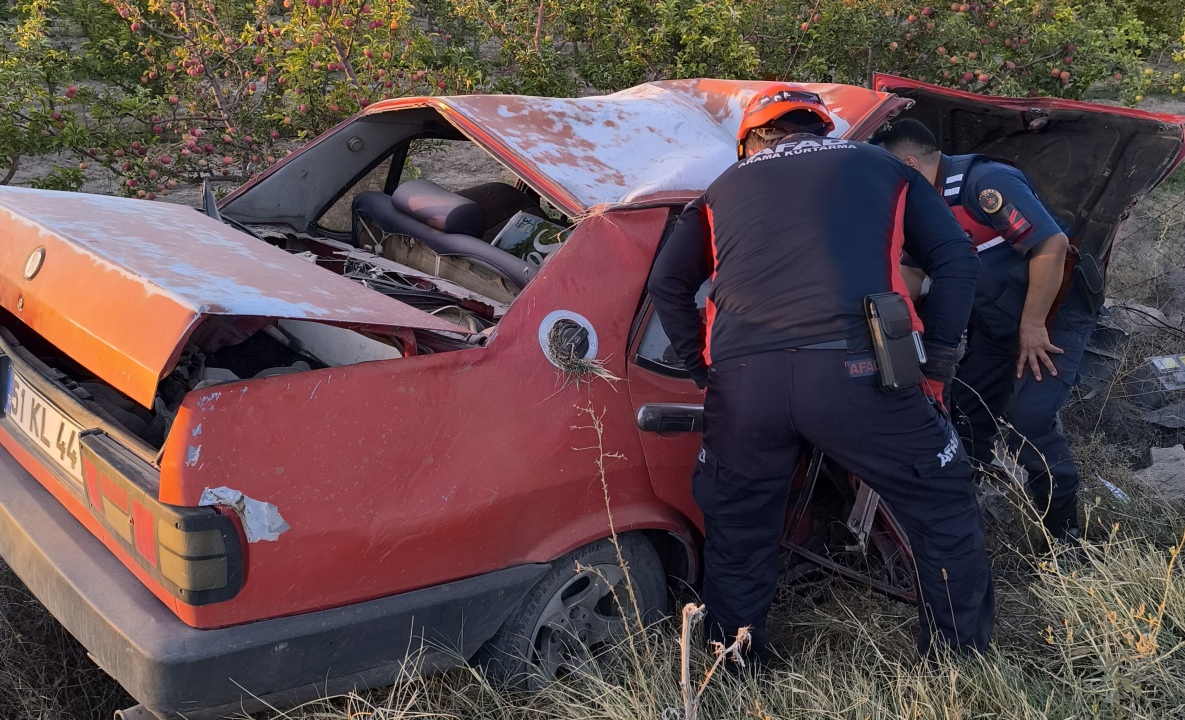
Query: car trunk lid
(1090, 163)
(119, 285)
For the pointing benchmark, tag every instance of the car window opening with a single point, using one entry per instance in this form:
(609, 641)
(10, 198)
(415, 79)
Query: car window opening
(459, 236)
(654, 349)
(458, 215)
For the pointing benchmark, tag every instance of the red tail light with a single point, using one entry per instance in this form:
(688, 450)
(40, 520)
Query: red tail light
(194, 553)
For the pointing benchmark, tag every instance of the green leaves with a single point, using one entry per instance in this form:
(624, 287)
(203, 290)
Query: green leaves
(221, 88)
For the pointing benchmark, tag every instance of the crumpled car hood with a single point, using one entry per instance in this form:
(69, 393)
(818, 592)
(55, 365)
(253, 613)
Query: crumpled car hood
(123, 283)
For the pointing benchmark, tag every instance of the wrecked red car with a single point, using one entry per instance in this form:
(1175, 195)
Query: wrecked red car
(347, 415)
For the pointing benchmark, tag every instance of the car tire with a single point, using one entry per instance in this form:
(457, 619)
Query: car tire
(571, 616)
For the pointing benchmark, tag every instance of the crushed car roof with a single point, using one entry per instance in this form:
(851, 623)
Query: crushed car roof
(167, 266)
(662, 140)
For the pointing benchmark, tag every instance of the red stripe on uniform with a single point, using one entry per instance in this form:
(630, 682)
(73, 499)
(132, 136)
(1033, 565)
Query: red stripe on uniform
(711, 307)
(978, 232)
(896, 244)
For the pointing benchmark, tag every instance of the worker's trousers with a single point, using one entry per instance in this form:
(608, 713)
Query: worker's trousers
(759, 412)
(989, 398)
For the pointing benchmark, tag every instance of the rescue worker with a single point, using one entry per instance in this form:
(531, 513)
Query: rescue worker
(794, 236)
(1023, 353)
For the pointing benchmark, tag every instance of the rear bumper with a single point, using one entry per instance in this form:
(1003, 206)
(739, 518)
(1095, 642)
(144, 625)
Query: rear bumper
(172, 668)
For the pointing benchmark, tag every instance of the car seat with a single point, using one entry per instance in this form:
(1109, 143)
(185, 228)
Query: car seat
(448, 224)
(500, 202)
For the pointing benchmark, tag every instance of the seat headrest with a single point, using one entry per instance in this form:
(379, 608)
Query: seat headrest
(436, 207)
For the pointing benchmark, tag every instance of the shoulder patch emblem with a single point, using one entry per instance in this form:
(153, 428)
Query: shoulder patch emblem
(991, 200)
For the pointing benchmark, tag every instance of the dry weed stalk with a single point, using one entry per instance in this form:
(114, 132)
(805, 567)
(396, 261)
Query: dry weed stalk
(722, 653)
(692, 614)
(597, 425)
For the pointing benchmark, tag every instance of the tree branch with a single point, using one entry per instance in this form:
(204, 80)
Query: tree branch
(539, 29)
(160, 33)
(1039, 60)
(16, 163)
(349, 67)
(219, 99)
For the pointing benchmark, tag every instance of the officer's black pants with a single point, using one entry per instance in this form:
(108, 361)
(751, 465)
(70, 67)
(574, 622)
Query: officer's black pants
(759, 411)
(987, 388)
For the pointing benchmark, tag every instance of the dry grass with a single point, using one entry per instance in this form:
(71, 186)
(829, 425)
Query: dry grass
(1149, 256)
(1148, 267)
(1102, 640)
(1099, 637)
(44, 673)
(575, 369)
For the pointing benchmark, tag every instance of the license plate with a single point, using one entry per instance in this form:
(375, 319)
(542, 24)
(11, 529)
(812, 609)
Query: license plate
(37, 419)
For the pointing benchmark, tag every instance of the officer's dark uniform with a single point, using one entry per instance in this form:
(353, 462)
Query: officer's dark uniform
(998, 207)
(794, 239)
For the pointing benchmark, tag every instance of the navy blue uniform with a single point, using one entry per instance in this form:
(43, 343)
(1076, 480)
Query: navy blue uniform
(794, 238)
(1000, 209)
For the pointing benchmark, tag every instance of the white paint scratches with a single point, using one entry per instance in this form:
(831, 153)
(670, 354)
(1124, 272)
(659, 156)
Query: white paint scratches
(665, 137)
(261, 520)
(207, 400)
(203, 264)
(193, 455)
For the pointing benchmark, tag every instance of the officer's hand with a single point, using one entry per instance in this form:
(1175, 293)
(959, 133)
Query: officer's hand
(1034, 352)
(933, 389)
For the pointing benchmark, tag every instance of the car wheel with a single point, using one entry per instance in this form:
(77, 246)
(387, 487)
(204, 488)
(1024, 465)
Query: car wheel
(573, 614)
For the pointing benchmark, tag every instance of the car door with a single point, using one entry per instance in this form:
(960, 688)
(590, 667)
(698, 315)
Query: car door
(668, 409)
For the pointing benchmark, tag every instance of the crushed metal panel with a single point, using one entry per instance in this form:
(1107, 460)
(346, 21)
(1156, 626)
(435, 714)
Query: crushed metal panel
(337, 346)
(201, 262)
(123, 282)
(261, 520)
(1170, 416)
(654, 139)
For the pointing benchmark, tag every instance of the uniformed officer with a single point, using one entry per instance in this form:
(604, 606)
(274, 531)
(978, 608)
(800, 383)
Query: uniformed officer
(1029, 325)
(794, 237)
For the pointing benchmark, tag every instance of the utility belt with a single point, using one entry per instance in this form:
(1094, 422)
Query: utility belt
(895, 345)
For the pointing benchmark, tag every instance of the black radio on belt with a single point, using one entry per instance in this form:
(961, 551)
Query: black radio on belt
(897, 346)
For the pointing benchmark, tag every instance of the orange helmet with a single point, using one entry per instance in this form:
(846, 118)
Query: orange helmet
(764, 110)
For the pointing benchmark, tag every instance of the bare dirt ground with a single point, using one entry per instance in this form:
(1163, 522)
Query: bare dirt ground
(1163, 103)
(46, 675)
